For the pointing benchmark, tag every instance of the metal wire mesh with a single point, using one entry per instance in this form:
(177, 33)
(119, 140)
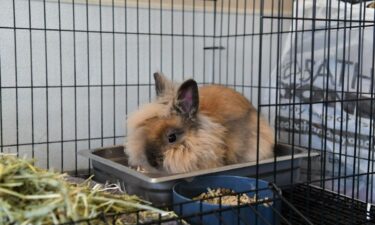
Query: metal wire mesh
(296, 205)
(333, 208)
(240, 213)
(72, 70)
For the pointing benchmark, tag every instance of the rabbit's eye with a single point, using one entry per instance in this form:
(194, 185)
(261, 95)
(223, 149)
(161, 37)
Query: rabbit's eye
(172, 138)
(173, 135)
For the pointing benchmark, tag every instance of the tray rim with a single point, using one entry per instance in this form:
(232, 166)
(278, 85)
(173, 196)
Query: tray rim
(88, 153)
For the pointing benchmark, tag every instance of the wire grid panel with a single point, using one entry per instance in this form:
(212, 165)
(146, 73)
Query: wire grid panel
(340, 210)
(287, 208)
(263, 211)
(326, 93)
(71, 71)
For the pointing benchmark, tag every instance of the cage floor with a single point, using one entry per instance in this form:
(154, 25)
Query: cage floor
(324, 207)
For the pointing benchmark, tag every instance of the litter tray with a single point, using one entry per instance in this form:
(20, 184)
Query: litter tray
(110, 164)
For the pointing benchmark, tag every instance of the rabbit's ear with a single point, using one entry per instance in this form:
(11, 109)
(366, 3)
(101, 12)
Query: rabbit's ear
(161, 83)
(188, 98)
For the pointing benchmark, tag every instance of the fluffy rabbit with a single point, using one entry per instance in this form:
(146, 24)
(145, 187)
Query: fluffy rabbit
(189, 128)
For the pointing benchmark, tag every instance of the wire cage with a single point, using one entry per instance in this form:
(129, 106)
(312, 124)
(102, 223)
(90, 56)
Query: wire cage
(71, 71)
(296, 209)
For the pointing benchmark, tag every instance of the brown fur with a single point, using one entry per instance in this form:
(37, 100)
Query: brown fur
(223, 131)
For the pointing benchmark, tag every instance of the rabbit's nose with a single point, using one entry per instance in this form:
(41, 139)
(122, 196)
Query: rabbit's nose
(154, 157)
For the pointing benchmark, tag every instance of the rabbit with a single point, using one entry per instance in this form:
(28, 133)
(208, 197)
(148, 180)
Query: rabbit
(187, 128)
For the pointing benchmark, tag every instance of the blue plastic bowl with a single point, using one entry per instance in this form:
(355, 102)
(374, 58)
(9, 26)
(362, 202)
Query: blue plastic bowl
(184, 192)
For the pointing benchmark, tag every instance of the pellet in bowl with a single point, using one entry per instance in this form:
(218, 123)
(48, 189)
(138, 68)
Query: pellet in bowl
(228, 197)
(185, 191)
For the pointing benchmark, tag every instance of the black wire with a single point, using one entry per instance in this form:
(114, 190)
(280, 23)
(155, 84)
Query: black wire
(325, 85)
(301, 58)
(204, 43)
(347, 114)
(356, 129)
(63, 141)
(370, 150)
(311, 87)
(259, 99)
(172, 42)
(214, 43)
(126, 63)
(322, 19)
(161, 36)
(294, 42)
(46, 80)
(138, 58)
(31, 84)
(252, 50)
(271, 64)
(228, 46)
(149, 51)
(368, 24)
(88, 83)
(101, 73)
(278, 69)
(16, 76)
(220, 41)
(278, 62)
(333, 168)
(61, 90)
(235, 46)
(335, 107)
(75, 91)
(342, 104)
(183, 40)
(114, 71)
(194, 38)
(244, 48)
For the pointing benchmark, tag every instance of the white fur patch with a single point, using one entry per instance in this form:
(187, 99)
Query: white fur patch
(146, 112)
(161, 107)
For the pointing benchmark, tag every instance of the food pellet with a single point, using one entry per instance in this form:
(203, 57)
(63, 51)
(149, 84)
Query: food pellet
(228, 197)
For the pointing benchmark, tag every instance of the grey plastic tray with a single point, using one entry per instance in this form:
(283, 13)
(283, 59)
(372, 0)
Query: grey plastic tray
(110, 164)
